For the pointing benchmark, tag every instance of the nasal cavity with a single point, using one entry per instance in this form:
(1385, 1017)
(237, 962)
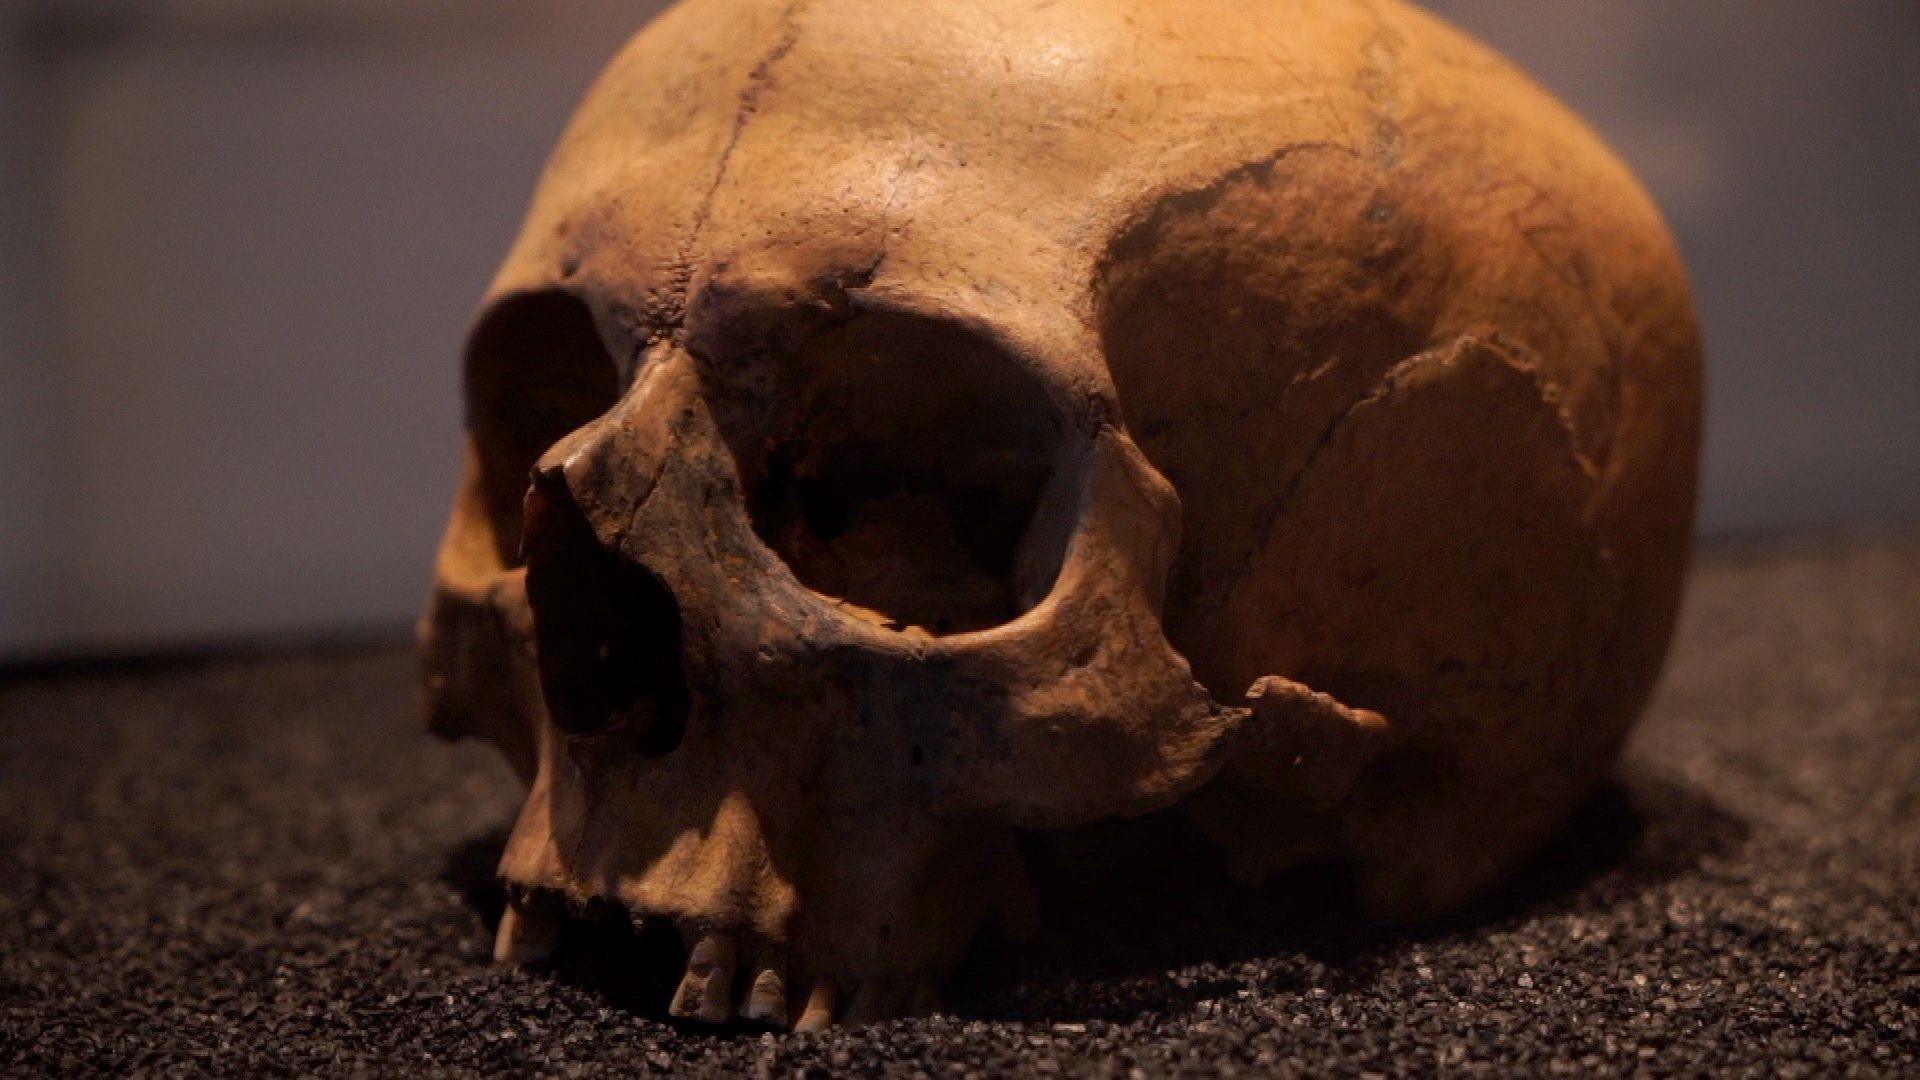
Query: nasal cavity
(607, 631)
(901, 470)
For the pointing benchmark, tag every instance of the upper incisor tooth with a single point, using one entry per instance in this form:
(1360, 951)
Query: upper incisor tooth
(707, 990)
(767, 999)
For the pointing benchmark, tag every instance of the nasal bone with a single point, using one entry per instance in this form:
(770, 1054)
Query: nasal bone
(607, 632)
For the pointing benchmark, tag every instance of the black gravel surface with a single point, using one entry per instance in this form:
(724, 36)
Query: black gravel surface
(264, 865)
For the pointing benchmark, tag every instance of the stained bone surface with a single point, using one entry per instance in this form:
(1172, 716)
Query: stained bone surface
(900, 428)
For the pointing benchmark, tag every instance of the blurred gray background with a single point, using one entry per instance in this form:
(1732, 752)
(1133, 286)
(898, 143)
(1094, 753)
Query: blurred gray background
(240, 240)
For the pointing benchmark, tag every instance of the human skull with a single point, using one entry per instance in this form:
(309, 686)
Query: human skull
(900, 426)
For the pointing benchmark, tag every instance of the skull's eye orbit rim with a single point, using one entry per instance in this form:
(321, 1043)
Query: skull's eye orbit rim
(896, 466)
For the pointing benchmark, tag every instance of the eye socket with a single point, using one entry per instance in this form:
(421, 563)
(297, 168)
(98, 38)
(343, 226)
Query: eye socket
(899, 469)
(536, 370)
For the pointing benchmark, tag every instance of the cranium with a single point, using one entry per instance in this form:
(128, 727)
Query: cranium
(904, 425)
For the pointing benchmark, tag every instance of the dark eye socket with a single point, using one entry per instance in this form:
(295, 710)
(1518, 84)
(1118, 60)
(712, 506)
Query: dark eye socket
(899, 467)
(536, 369)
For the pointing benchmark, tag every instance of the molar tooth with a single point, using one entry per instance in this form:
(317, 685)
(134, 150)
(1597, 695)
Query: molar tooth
(706, 991)
(767, 999)
(818, 1015)
(525, 936)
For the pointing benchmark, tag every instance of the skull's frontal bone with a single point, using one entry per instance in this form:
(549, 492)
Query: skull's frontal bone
(805, 556)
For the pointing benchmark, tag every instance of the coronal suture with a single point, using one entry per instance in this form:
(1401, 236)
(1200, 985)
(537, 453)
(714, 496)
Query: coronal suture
(904, 428)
